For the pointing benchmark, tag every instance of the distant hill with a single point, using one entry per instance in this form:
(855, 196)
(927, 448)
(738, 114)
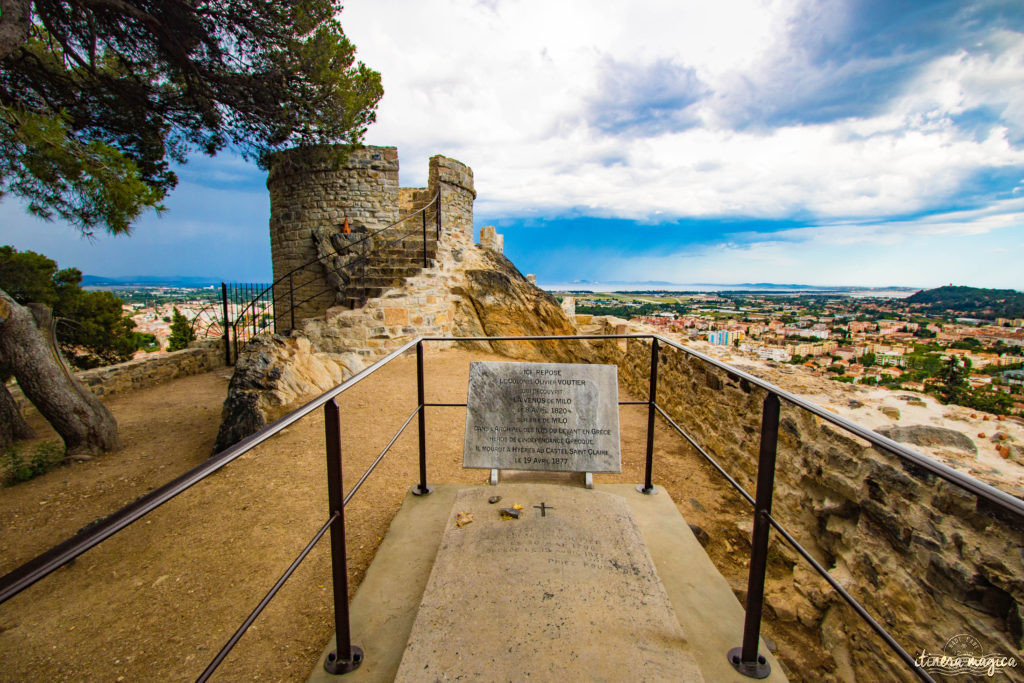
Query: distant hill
(970, 301)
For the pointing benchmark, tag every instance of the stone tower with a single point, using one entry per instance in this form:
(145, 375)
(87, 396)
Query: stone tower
(312, 190)
(455, 181)
(309, 188)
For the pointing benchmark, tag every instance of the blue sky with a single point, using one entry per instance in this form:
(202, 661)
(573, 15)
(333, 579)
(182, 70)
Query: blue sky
(829, 143)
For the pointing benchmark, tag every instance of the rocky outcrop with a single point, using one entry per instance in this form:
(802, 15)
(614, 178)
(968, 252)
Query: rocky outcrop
(495, 300)
(339, 252)
(273, 372)
(929, 437)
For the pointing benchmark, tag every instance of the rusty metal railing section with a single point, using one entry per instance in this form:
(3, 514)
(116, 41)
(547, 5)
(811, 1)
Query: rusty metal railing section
(347, 657)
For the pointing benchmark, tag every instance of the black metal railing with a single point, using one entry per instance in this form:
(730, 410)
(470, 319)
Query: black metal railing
(251, 309)
(347, 656)
(205, 324)
(247, 308)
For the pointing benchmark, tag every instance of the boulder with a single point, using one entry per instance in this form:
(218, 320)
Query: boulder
(890, 412)
(496, 300)
(272, 372)
(930, 437)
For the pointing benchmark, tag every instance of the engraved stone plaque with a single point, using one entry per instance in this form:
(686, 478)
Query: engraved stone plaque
(566, 592)
(543, 416)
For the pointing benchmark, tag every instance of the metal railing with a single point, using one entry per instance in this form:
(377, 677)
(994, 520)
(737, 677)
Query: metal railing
(251, 309)
(347, 656)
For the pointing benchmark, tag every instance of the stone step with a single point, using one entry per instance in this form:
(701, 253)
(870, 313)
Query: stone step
(362, 293)
(401, 257)
(414, 241)
(410, 245)
(389, 265)
(410, 250)
(390, 271)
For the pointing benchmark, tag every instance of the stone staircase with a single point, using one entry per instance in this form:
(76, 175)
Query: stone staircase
(387, 263)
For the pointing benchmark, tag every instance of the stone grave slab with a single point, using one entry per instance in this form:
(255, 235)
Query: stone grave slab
(542, 416)
(566, 592)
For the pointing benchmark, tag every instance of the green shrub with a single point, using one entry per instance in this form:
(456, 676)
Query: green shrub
(23, 463)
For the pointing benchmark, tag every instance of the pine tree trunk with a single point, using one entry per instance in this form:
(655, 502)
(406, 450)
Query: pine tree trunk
(12, 425)
(28, 349)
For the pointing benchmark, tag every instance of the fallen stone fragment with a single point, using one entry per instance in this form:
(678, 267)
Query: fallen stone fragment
(509, 513)
(493, 499)
(931, 437)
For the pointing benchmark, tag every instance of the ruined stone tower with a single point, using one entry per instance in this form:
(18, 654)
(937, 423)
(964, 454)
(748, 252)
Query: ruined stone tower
(311, 189)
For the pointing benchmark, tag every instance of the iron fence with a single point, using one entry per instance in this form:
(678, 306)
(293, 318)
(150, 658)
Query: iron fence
(745, 658)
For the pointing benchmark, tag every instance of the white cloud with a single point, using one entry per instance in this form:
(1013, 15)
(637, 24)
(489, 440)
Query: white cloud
(982, 247)
(508, 88)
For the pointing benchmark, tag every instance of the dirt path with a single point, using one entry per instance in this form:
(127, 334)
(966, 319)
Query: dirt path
(158, 600)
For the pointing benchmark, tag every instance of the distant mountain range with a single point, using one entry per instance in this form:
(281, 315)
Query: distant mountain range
(659, 285)
(149, 281)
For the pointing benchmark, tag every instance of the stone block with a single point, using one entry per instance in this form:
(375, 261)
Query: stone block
(396, 316)
(487, 239)
(542, 416)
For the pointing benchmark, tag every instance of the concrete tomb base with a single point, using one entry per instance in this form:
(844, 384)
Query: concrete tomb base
(565, 591)
(543, 601)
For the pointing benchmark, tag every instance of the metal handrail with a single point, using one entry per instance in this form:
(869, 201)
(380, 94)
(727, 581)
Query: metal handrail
(59, 555)
(54, 558)
(989, 493)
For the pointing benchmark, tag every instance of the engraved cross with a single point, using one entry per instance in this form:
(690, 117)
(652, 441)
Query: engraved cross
(543, 508)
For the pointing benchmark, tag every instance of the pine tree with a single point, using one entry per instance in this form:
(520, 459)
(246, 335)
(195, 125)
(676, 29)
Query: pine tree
(181, 332)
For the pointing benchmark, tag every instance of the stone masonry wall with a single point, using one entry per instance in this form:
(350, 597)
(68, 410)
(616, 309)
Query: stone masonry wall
(150, 370)
(455, 180)
(147, 371)
(490, 239)
(314, 187)
(928, 560)
(412, 198)
(422, 307)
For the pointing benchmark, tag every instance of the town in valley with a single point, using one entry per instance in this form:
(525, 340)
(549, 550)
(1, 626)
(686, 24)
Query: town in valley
(900, 342)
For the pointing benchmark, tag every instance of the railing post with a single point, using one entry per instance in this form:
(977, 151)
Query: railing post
(252, 309)
(652, 398)
(745, 659)
(346, 657)
(227, 330)
(421, 489)
(291, 299)
(424, 237)
(234, 323)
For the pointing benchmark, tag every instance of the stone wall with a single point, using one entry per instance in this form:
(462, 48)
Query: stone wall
(412, 199)
(455, 181)
(490, 239)
(146, 371)
(318, 187)
(150, 370)
(928, 560)
(421, 307)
